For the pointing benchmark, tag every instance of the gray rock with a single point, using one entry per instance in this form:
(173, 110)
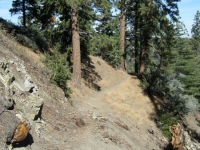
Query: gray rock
(8, 124)
(189, 144)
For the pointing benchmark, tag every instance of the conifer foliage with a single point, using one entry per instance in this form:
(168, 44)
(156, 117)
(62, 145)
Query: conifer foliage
(139, 35)
(29, 9)
(196, 32)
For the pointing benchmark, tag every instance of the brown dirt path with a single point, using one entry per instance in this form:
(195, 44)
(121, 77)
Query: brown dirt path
(120, 103)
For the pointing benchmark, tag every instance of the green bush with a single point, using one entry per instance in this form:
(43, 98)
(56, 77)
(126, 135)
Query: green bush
(60, 70)
(166, 120)
(154, 80)
(31, 36)
(107, 47)
(175, 104)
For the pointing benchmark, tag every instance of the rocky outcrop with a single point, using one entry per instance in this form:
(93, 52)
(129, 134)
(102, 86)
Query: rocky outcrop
(19, 97)
(190, 144)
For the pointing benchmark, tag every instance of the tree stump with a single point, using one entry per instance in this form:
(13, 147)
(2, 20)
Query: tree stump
(177, 136)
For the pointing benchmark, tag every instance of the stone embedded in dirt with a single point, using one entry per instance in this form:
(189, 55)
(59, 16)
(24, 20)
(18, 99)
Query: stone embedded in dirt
(94, 116)
(189, 144)
(102, 119)
(122, 125)
(119, 97)
(150, 130)
(80, 122)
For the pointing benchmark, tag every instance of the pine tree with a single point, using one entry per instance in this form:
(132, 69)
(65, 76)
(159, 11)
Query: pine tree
(196, 26)
(81, 16)
(19, 6)
(122, 31)
(196, 32)
(76, 49)
(27, 8)
(105, 41)
(185, 66)
(147, 17)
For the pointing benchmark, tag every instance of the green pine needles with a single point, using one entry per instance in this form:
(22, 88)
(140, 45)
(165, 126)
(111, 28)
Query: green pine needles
(60, 70)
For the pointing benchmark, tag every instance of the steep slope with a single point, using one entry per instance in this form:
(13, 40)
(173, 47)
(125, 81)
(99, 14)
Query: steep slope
(122, 112)
(110, 111)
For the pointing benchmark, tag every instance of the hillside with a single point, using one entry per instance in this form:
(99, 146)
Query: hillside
(109, 112)
(121, 110)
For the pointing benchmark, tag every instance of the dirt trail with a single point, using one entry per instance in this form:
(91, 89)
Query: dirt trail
(120, 95)
(119, 103)
(109, 112)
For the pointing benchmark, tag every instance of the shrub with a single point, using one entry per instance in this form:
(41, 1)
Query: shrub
(31, 36)
(156, 82)
(166, 120)
(171, 91)
(60, 70)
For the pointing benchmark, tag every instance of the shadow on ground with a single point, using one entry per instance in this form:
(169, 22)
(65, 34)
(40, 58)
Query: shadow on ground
(25, 143)
(90, 76)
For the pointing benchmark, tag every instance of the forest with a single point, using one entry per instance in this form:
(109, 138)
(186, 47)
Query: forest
(144, 38)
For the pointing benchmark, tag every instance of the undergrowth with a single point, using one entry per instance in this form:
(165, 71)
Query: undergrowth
(30, 36)
(166, 120)
(60, 70)
(155, 82)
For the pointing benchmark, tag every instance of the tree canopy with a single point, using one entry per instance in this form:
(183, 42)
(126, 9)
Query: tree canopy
(142, 37)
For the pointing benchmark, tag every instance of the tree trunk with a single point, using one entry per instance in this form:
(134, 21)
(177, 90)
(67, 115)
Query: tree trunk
(136, 39)
(145, 43)
(143, 54)
(122, 35)
(76, 49)
(24, 13)
(143, 59)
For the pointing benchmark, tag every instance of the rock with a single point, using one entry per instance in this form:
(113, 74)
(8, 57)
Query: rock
(94, 116)
(19, 116)
(20, 148)
(6, 100)
(80, 122)
(24, 85)
(189, 144)
(122, 125)
(34, 107)
(8, 123)
(150, 130)
(102, 119)
(23, 81)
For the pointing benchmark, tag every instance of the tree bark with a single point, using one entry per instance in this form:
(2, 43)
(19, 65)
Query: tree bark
(145, 43)
(143, 59)
(24, 13)
(136, 39)
(76, 49)
(122, 34)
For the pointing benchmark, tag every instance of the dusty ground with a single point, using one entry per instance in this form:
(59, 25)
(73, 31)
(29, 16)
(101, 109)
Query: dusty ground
(120, 110)
(109, 112)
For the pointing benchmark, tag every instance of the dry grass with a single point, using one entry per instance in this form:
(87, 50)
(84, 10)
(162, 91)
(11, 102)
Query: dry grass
(23, 52)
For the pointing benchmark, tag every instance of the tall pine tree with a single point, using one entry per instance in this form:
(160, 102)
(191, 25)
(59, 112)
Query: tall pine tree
(196, 32)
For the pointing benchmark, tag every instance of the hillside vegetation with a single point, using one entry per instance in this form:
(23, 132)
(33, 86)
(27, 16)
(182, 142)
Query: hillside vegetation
(110, 111)
(116, 115)
(77, 75)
